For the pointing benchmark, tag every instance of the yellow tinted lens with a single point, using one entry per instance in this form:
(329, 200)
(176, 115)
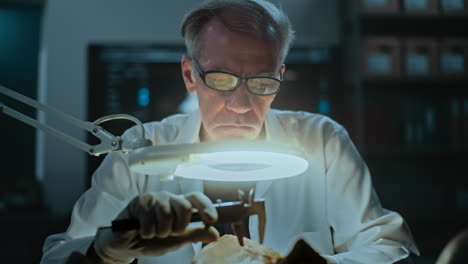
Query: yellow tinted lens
(220, 81)
(263, 85)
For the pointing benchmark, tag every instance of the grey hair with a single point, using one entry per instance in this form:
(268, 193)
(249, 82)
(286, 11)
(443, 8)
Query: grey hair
(256, 17)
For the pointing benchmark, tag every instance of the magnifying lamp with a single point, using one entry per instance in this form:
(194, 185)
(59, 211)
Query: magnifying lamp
(221, 161)
(230, 161)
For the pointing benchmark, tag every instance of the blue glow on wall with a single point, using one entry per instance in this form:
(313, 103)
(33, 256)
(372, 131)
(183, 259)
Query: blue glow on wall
(324, 107)
(143, 98)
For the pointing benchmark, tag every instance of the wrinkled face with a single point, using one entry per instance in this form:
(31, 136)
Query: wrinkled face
(236, 114)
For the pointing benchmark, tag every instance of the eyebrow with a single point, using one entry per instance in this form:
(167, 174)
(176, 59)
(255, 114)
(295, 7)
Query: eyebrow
(260, 74)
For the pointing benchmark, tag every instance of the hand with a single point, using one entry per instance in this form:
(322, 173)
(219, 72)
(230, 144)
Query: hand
(163, 219)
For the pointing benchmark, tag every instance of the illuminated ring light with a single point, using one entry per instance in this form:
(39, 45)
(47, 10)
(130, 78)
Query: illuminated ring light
(220, 161)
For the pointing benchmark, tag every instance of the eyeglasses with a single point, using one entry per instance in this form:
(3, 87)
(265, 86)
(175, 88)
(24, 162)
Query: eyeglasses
(224, 81)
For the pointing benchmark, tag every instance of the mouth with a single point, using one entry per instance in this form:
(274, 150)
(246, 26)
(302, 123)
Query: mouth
(228, 132)
(236, 126)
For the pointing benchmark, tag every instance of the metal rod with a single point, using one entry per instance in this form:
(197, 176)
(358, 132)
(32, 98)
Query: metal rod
(49, 110)
(108, 142)
(32, 122)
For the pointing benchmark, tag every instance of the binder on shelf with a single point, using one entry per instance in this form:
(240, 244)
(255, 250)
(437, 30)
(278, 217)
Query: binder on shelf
(454, 6)
(456, 114)
(420, 56)
(381, 56)
(464, 124)
(382, 127)
(454, 56)
(421, 6)
(411, 123)
(391, 6)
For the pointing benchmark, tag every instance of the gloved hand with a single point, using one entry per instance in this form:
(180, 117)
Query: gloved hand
(163, 218)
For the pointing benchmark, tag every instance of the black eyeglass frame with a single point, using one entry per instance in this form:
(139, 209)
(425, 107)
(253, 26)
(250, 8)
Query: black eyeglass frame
(240, 79)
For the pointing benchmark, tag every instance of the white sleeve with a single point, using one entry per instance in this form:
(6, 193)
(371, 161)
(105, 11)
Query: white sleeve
(111, 189)
(363, 231)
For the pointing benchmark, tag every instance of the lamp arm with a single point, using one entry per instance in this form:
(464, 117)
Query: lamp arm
(137, 143)
(108, 142)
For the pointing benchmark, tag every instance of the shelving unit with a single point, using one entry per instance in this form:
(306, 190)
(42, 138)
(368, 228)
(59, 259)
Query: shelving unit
(358, 23)
(439, 159)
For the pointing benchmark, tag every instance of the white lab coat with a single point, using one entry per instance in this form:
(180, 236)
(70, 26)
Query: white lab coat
(332, 205)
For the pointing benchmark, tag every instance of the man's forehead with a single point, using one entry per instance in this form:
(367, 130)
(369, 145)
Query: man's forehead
(224, 49)
(215, 29)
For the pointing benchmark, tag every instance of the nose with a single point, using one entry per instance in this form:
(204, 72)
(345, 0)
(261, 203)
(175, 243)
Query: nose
(239, 100)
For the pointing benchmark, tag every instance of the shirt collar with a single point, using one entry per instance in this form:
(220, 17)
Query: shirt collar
(190, 131)
(273, 129)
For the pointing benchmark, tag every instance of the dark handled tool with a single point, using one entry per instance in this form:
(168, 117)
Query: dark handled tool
(228, 212)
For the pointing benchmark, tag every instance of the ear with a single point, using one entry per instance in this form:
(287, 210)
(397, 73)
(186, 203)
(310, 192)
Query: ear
(189, 79)
(283, 69)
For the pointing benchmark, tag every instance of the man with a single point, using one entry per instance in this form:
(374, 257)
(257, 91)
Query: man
(234, 62)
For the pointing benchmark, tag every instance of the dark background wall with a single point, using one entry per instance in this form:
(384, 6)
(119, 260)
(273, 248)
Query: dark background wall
(19, 32)
(23, 216)
(425, 184)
